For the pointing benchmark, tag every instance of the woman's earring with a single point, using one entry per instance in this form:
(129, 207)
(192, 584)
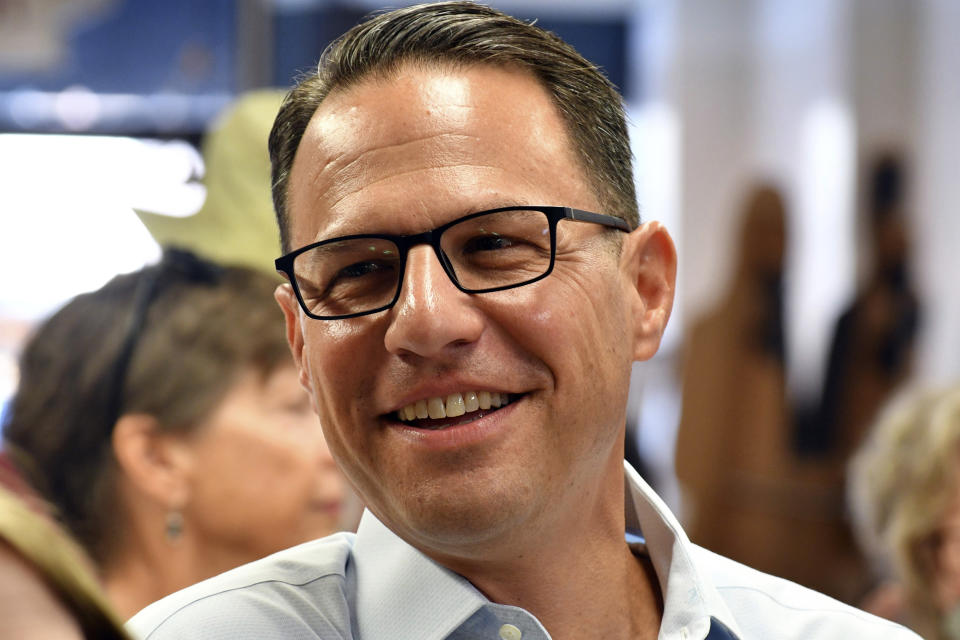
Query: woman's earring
(174, 525)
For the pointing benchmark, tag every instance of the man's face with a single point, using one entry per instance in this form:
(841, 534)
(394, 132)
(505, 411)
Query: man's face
(406, 154)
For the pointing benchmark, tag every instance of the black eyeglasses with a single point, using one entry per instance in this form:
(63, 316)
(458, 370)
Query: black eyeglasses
(481, 252)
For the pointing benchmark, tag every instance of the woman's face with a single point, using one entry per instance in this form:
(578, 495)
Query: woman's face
(263, 478)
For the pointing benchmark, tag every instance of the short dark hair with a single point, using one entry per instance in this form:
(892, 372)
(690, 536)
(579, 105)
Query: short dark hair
(205, 325)
(464, 33)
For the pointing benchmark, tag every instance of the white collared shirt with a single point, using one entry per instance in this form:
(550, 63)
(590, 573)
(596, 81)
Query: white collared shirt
(375, 586)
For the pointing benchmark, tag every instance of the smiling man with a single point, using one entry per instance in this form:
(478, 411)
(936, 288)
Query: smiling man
(469, 286)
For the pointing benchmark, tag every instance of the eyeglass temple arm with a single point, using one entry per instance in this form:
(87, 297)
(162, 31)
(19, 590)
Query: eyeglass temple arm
(597, 218)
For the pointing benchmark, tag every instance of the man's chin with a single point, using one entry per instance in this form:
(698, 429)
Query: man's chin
(464, 525)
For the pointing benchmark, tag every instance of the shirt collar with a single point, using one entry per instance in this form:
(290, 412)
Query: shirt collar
(402, 592)
(689, 601)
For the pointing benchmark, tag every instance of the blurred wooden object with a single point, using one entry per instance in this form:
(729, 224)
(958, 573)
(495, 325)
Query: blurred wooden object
(747, 495)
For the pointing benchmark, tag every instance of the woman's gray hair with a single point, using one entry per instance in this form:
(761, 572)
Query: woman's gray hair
(902, 482)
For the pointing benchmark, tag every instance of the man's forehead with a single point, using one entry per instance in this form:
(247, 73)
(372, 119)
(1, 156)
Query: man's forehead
(382, 112)
(413, 86)
(383, 131)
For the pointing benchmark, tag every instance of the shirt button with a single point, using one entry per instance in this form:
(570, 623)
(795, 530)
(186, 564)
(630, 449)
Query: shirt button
(510, 632)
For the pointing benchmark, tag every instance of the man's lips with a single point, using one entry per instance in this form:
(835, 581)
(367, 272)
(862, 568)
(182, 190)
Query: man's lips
(453, 409)
(441, 436)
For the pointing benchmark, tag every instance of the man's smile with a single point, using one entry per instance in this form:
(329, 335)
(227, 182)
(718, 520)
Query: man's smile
(438, 412)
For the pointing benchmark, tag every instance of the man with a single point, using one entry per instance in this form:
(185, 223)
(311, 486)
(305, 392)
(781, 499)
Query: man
(466, 328)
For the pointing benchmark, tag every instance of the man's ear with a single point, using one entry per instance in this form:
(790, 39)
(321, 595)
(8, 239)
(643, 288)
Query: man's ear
(157, 464)
(287, 300)
(649, 263)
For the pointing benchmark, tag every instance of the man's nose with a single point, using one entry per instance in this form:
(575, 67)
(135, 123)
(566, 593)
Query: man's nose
(431, 314)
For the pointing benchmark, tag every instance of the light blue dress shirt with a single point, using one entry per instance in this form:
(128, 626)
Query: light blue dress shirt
(374, 586)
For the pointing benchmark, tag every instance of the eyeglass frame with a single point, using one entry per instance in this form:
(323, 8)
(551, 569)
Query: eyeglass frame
(554, 214)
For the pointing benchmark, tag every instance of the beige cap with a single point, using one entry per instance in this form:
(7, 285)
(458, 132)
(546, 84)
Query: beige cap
(236, 224)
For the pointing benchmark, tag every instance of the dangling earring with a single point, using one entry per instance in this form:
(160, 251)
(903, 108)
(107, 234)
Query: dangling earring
(174, 525)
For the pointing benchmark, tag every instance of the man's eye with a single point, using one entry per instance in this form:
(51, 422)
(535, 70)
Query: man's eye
(361, 269)
(487, 243)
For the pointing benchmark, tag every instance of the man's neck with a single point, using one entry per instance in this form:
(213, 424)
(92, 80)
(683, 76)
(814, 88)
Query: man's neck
(605, 595)
(579, 578)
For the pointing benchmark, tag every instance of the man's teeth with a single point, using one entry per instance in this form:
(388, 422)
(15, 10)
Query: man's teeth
(453, 405)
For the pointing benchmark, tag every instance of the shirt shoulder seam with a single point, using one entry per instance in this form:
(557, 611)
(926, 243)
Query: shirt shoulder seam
(250, 585)
(846, 609)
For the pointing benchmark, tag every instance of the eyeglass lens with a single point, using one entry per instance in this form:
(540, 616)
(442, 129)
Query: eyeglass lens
(499, 249)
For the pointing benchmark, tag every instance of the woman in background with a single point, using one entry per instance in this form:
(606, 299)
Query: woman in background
(905, 498)
(163, 419)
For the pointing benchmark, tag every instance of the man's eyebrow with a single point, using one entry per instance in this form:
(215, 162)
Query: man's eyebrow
(486, 205)
(355, 226)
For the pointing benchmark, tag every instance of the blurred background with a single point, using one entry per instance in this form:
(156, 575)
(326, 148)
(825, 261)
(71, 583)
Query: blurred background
(811, 144)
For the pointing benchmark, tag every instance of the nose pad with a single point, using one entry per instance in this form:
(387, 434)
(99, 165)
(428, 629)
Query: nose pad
(446, 265)
(431, 312)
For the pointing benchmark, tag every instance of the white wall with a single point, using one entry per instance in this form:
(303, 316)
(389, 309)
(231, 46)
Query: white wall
(938, 188)
(801, 93)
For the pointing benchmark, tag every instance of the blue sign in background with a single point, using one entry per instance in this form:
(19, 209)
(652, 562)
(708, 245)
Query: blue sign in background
(192, 57)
